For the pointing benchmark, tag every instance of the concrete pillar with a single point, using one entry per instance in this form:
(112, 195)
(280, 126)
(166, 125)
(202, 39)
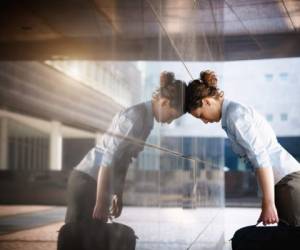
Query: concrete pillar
(55, 146)
(3, 143)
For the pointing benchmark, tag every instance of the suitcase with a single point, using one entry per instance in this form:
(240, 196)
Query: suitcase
(95, 235)
(266, 238)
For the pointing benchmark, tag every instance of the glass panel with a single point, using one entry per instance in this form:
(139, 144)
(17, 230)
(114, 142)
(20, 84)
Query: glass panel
(96, 90)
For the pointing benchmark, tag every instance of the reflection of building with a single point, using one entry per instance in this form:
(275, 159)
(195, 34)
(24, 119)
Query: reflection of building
(64, 108)
(50, 119)
(121, 81)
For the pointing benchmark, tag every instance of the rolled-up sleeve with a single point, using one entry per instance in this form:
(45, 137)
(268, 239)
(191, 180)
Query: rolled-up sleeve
(116, 140)
(248, 137)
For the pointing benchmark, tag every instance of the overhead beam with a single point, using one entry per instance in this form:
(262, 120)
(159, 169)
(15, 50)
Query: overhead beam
(235, 48)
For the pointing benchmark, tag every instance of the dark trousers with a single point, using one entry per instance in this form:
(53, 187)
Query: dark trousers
(81, 196)
(287, 199)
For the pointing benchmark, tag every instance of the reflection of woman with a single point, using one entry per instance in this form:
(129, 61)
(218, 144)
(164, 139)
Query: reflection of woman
(253, 138)
(103, 170)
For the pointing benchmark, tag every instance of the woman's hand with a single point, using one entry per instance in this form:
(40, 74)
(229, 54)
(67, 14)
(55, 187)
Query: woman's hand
(117, 206)
(268, 214)
(101, 212)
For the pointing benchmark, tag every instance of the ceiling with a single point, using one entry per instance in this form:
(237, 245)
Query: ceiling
(149, 29)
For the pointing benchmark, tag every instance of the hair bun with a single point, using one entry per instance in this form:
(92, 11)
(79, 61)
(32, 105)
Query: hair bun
(166, 78)
(208, 77)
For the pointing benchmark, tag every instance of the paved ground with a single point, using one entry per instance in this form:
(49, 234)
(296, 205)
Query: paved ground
(28, 220)
(13, 210)
(35, 227)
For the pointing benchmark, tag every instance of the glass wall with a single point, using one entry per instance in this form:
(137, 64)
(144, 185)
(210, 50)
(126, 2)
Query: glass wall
(174, 189)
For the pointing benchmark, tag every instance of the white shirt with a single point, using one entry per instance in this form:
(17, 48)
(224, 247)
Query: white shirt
(122, 142)
(253, 138)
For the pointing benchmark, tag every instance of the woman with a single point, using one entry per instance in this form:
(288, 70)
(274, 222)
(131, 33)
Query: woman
(102, 171)
(254, 139)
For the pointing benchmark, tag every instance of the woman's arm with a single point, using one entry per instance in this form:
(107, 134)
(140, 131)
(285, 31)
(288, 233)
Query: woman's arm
(116, 143)
(101, 210)
(117, 199)
(248, 136)
(266, 181)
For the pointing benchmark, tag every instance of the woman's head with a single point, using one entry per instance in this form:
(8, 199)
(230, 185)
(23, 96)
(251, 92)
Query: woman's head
(203, 98)
(169, 98)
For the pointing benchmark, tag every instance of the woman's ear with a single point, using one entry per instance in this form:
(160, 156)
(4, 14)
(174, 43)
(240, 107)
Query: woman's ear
(206, 101)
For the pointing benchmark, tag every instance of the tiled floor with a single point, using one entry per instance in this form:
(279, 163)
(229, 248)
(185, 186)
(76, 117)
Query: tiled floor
(174, 226)
(236, 218)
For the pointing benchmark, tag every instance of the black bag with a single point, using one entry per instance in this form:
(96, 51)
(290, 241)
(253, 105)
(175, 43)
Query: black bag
(95, 235)
(266, 238)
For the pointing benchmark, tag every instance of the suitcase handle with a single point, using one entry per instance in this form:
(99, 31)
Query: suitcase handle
(281, 221)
